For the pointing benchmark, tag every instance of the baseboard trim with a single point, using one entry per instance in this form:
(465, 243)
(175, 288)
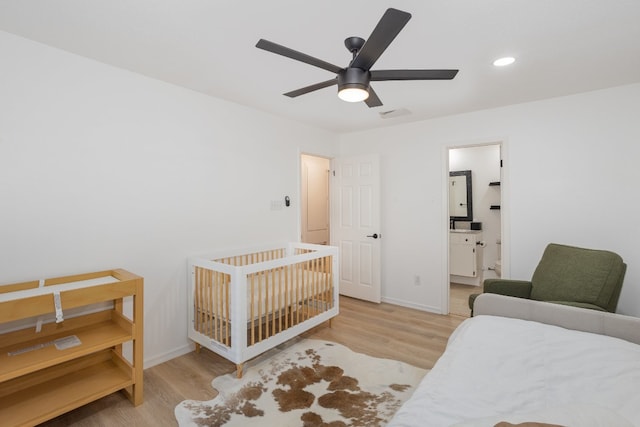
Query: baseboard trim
(410, 304)
(177, 352)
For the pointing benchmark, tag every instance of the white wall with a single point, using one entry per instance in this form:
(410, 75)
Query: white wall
(572, 174)
(101, 168)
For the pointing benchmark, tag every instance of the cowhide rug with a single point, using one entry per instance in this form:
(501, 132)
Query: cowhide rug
(306, 383)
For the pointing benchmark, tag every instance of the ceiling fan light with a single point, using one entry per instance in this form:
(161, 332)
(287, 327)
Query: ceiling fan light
(353, 84)
(353, 94)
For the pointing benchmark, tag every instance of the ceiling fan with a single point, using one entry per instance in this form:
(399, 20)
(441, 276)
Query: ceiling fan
(354, 80)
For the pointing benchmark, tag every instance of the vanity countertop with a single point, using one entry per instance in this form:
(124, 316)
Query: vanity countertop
(465, 231)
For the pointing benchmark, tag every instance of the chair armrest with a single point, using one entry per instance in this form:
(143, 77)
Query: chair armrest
(579, 304)
(512, 288)
(595, 322)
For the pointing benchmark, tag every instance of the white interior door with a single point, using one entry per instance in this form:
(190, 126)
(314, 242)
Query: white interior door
(355, 224)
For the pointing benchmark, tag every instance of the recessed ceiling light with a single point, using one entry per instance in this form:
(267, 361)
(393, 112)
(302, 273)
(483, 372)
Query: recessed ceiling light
(507, 60)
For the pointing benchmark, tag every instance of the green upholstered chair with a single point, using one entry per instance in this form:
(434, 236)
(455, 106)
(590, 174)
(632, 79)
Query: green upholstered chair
(580, 277)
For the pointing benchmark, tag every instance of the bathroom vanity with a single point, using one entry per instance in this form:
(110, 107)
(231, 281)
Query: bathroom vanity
(465, 256)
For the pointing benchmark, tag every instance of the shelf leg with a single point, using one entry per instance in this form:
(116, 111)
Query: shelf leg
(239, 370)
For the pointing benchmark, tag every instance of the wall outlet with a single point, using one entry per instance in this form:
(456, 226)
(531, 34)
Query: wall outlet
(416, 280)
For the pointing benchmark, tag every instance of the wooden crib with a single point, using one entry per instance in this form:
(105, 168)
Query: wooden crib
(245, 302)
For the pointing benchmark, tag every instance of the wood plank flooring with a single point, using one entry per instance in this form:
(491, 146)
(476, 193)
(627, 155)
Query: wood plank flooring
(380, 330)
(459, 298)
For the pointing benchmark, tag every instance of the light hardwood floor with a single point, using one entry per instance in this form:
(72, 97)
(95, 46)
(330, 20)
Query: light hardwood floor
(459, 298)
(380, 330)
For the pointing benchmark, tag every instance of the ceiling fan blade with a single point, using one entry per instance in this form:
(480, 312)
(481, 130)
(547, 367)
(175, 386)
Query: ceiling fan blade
(391, 23)
(379, 75)
(373, 100)
(311, 88)
(298, 56)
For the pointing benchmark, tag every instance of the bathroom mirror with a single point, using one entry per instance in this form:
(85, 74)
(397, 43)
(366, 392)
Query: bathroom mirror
(460, 201)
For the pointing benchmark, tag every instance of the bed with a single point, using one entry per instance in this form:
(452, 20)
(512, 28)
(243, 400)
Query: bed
(245, 302)
(523, 361)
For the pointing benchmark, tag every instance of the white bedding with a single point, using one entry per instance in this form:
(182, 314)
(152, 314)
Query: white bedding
(498, 368)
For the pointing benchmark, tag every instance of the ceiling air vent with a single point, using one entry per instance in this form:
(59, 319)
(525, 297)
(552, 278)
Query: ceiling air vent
(390, 114)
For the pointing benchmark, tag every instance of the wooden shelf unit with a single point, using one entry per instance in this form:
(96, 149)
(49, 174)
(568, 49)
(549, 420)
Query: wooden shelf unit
(45, 382)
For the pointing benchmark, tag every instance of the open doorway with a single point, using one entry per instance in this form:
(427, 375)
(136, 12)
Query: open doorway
(314, 195)
(476, 221)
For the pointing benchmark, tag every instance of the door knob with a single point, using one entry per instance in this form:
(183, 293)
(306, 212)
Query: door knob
(374, 235)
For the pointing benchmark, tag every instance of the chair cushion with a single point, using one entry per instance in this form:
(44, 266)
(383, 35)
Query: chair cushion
(567, 273)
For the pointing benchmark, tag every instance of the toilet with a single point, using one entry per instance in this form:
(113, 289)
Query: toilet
(498, 266)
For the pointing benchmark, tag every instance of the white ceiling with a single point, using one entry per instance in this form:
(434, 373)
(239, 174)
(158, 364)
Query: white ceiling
(562, 47)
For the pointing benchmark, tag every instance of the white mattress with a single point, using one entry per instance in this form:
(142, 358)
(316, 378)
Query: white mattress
(497, 368)
(278, 297)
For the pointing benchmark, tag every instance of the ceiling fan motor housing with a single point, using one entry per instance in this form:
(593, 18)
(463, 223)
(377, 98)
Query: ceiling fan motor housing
(356, 78)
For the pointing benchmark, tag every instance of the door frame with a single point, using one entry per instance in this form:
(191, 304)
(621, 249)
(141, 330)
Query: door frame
(505, 219)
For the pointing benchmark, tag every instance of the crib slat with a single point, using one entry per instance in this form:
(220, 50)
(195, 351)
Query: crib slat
(253, 319)
(208, 304)
(285, 297)
(303, 287)
(310, 287)
(298, 287)
(220, 302)
(316, 291)
(227, 317)
(303, 284)
(265, 318)
(206, 309)
(215, 303)
(280, 298)
(273, 302)
(325, 268)
(203, 306)
(214, 316)
(259, 309)
(303, 302)
(321, 285)
(214, 297)
(318, 288)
